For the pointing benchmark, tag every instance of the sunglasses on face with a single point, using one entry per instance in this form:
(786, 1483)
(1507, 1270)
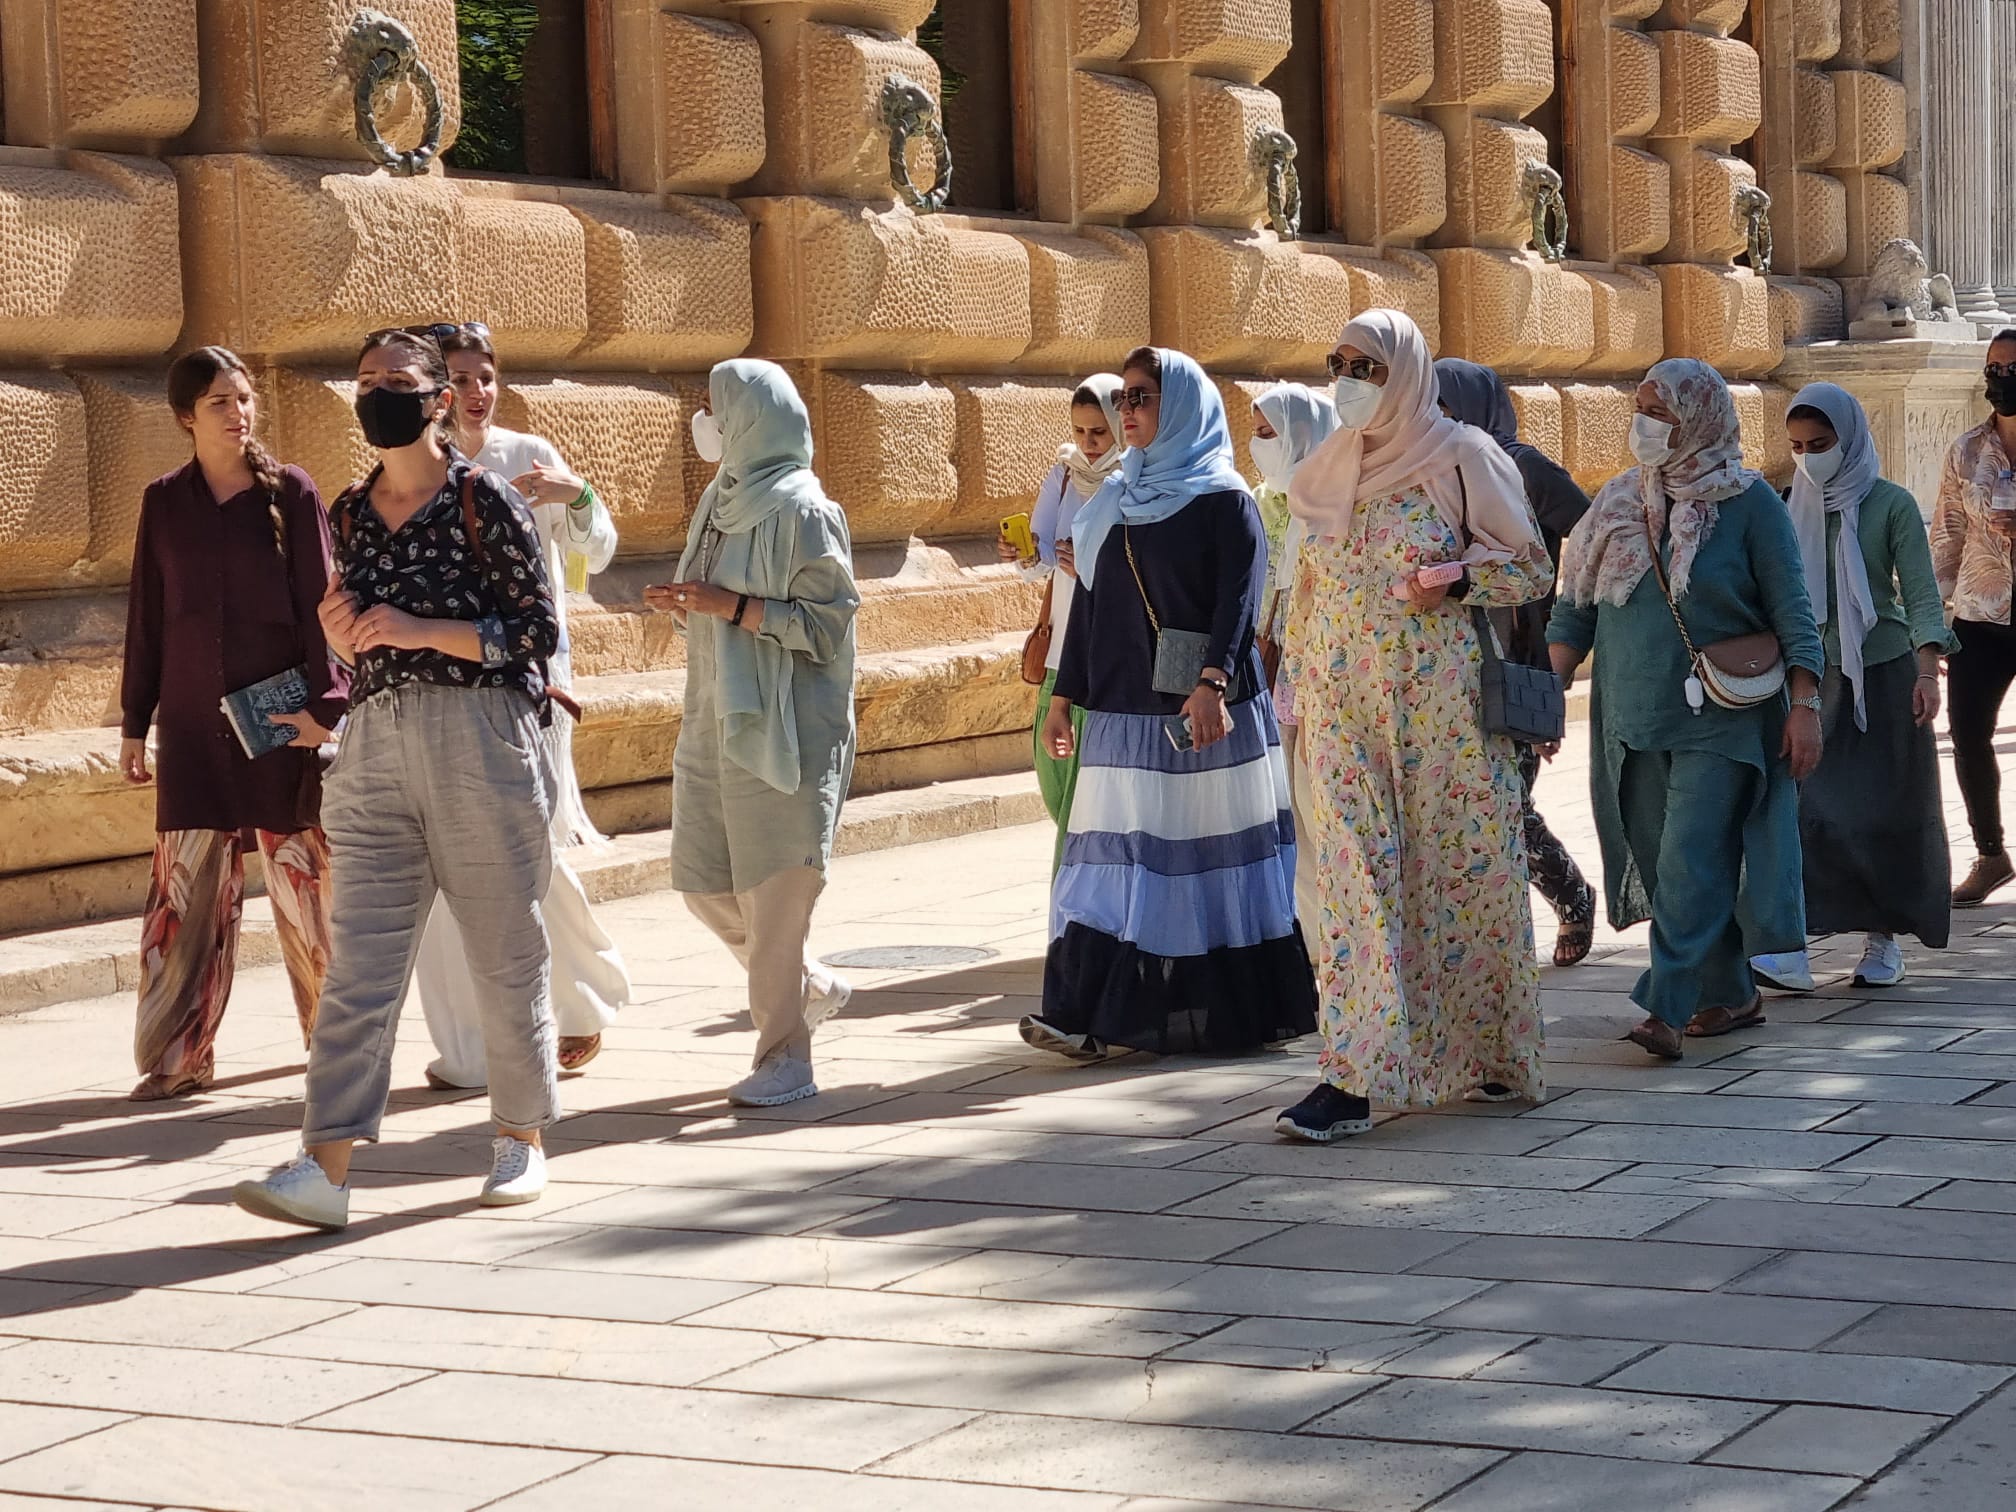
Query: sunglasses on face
(1137, 398)
(2000, 370)
(1360, 368)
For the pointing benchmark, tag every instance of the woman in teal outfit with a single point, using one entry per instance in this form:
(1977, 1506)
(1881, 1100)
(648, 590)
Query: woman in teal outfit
(1693, 801)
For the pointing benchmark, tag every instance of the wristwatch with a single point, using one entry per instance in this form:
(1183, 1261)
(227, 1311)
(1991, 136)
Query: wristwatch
(1217, 685)
(1811, 701)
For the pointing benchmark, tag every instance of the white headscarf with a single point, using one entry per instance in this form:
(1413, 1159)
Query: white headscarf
(1810, 505)
(1085, 474)
(1409, 443)
(1304, 420)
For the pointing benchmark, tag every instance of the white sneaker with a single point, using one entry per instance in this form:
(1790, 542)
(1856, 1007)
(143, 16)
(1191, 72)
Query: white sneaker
(780, 1079)
(820, 1006)
(1786, 972)
(517, 1172)
(299, 1192)
(1040, 1034)
(1882, 963)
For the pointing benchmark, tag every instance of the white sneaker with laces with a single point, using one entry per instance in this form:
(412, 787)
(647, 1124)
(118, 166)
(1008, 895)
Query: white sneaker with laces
(1882, 962)
(1788, 971)
(780, 1079)
(517, 1172)
(821, 1005)
(299, 1192)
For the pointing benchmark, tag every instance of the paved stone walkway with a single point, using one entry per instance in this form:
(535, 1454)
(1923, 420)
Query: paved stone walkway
(1781, 1278)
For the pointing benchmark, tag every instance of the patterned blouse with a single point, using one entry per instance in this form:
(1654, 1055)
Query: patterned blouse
(1969, 559)
(427, 567)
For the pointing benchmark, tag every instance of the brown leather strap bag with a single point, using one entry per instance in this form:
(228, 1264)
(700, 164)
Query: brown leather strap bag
(1036, 645)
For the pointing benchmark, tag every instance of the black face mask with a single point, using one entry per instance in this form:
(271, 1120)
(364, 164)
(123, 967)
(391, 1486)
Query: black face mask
(2002, 395)
(392, 418)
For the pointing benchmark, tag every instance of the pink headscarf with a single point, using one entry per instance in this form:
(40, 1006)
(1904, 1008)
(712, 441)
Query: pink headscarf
(1409, 443)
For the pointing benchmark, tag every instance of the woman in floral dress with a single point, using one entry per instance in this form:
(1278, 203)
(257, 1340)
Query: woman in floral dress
(1424, 948)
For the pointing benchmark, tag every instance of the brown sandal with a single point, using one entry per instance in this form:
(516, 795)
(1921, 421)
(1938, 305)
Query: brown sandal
(576, 1050)
(1712, 1022)
(1574, 940)
(161, 1087)
(1657, 1037)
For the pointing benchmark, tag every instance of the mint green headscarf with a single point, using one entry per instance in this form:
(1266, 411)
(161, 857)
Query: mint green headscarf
(766, 470)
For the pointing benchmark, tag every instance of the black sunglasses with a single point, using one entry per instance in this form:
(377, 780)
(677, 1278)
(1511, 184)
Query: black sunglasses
(2000, 370)
(436, 331)
(1361, 368)
(1136, 398)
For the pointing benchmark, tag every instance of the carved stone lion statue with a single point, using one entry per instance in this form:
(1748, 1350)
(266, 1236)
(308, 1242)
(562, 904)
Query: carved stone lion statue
(1903, 290)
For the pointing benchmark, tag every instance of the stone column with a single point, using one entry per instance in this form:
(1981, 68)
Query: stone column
(2002, 67)
(1954, 146)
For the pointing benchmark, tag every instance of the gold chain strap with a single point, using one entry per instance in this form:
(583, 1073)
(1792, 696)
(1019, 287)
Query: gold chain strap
(1659, 571)
(1127, 540)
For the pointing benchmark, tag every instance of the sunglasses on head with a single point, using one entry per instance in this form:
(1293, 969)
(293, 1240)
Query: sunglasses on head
(1361, 368)
(1136, 398)
(435, 331)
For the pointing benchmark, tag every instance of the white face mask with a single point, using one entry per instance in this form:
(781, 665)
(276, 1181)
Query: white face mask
(1651, 440)
(1357, 401)
(707, 436)
(1270, 455)
(1820, 467)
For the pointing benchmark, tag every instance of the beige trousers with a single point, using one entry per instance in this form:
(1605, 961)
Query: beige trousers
(767, 928)
(1307, 910)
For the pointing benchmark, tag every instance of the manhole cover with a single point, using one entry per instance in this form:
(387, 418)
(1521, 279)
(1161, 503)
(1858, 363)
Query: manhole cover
(909, 957)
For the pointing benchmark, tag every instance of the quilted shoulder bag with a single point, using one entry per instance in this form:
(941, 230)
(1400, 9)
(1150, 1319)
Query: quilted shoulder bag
(1179, 654)
(1525, 703)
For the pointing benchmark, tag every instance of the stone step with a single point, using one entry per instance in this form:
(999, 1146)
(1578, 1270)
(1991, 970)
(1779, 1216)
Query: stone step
(91, 960)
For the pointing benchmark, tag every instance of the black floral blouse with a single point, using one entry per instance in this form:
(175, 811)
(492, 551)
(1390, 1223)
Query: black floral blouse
(428, 568)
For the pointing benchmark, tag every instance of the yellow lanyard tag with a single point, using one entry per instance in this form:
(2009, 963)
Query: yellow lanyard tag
(577, 572)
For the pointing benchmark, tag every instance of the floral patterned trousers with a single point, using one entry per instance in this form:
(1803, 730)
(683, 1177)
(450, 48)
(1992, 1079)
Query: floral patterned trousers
(1554, 872)
(189, 937)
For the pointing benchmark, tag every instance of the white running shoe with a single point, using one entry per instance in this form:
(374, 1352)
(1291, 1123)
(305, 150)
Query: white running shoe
(820, 1006)
(1882, 963)
(1787, 972)
(517, 1172)
(780, 1079)
(299, 1192)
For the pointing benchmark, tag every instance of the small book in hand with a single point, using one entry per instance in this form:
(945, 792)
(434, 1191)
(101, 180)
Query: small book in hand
(248, 708)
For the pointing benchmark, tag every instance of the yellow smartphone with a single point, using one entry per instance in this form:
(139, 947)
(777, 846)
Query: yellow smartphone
(1016, 532)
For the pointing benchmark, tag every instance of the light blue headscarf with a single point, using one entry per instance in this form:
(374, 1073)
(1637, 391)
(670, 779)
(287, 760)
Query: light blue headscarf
(1810, 504)
(1190, 455)
(766, 469)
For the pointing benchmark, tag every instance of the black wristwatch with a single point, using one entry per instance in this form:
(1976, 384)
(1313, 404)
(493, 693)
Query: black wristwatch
(1217, 685)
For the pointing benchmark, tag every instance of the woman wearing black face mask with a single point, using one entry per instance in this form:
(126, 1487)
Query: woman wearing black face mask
(440, 602)
(1973, 529)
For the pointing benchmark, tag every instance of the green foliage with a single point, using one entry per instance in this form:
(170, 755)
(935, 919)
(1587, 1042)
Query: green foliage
(494, 36)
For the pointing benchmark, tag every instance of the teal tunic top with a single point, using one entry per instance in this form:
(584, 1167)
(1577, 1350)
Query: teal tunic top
(1899, 558)
(1747, 577)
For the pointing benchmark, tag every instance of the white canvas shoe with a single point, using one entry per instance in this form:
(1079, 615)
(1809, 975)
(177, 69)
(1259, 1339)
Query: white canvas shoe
(780, 1079)
(1788, 971)
(299, 1192)
(821, 1006)
(517, 1173)
(1882, 963)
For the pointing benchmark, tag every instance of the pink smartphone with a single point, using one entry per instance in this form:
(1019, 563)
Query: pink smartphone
(1441, 575)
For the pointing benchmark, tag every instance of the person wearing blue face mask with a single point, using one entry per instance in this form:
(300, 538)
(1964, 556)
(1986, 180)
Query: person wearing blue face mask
(1173, 916)
(1872, 827)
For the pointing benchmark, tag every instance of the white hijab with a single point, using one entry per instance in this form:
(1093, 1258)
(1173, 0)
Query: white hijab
(1810, 505)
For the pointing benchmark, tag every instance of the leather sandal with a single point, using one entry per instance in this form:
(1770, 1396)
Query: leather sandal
(1657, 1037)
(1711, 1022)
(161, 1087)
(576, 1050)
(1573, 941)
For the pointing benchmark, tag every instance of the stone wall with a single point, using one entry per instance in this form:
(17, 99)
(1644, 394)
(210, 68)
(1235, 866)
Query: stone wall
(187, 171)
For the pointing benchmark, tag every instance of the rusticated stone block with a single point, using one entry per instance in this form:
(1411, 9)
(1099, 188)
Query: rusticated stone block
(1627, 313)
(89, 257)
(837, 280)
(98, 73)
(1879, 209)
(1413, 177)
(1711, 90)
(1760, 408)
(1816, 30)
(1005, 439)
(1403, 43)
(1487, 204)
(520, 268)
(706, 123)
(274, 79)
(1495, 56)
(1818, 220)
(1538, 406)
(1872, 32)
(44, 479)
(1635, 91)
(1705, 228)
(1399, 280)
(1210, 175)
(1235, 38)
(1595, 425)
(310, 422)
(625, 435)
(132, 438)
(1722, 316)
(1117, 152)
(883, 15)
(1807, 310)
(823, 91)
(1514, 311)
(1088, 300)
(668, 282)
(1703, 15)
(1814, 118)
(1102, 31)
(1641, 202)
(885, 451)
(1869, 114)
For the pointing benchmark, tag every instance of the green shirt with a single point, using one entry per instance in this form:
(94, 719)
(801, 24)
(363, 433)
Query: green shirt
(1747, 577)
(1899, 559)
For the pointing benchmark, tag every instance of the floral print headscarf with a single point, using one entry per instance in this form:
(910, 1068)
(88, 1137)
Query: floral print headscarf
(1611, 550)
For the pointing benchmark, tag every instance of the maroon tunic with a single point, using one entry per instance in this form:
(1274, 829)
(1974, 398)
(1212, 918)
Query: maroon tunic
(211, 609)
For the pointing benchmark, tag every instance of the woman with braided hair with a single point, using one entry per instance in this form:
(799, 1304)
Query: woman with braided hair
(229, 565)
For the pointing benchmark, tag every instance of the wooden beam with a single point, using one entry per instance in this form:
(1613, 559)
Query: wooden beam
(601, 81)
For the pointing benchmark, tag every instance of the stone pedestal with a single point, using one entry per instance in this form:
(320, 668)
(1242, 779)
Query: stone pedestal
(1920, 395)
